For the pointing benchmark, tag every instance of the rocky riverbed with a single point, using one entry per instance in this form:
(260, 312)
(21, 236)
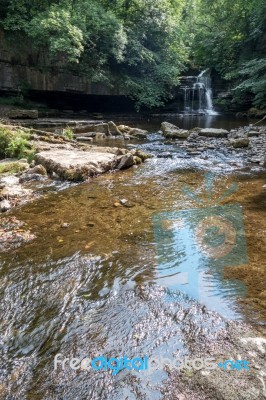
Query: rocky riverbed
(248, 143)
(81, 276)
(58, 158)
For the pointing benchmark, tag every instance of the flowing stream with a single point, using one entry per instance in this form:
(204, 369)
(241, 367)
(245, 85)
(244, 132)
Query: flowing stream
(114, 283)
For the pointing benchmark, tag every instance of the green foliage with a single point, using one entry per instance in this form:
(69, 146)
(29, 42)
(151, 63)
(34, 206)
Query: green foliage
(138, 44)
(143, 46)
(55, 29)
(230, 37)
(68, 133)
(15, 143)
(13, 101)
(254, 72)
(20, 102)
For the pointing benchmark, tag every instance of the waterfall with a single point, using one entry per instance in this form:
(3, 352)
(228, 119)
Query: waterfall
(197, 92)
(209, 100)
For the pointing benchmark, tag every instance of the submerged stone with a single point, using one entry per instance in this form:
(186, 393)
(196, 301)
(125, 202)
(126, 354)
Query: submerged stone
(212, 132)
(240, 142)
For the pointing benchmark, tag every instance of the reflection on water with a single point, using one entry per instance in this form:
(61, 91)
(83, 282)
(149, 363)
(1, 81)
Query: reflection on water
(184, 121)
(185, 265)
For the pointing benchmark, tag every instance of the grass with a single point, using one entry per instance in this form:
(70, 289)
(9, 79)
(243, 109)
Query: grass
(11, 167)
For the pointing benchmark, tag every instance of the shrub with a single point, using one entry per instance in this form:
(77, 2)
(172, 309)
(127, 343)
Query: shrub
(15, 144)
(68, 133)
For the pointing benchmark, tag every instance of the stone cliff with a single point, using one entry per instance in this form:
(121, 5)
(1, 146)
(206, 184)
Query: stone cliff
(22, 66)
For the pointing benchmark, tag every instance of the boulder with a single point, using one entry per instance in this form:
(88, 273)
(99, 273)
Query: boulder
(212, 132)
(139, 133)
(126, 161)
(253, 133)
(23, 114)
(137, 160)
(38, 169)
(141, 154)
(76, 165)
(240, 142)
(79, 165)
(96, 128)
(124, 129)
(171, 131)
(113, 129)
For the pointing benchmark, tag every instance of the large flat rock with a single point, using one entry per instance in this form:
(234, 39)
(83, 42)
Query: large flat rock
(78, 165)
(212, 132)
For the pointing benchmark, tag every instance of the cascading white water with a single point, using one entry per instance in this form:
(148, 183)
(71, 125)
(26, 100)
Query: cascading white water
(198, 91)
(209, 100)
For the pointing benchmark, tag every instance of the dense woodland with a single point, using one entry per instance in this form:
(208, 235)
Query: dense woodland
(146, 45)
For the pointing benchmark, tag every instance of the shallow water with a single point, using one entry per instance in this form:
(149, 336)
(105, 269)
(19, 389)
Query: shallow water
(185, 121)
(120, 280)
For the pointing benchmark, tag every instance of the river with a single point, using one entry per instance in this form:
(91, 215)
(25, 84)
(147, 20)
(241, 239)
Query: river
(108, 274)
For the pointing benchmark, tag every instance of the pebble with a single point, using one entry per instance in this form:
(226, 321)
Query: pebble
(129, 205)
(123, 202)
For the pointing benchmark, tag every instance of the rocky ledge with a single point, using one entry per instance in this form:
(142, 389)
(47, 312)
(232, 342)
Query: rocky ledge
(80, 164)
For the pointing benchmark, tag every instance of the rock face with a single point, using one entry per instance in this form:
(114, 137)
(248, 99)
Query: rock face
(78, 165)
(212, 132)
(171, 131)
(17, 66)
(23, 114)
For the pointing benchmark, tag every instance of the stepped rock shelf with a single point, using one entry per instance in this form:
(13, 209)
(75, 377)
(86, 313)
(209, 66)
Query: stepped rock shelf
(78, 165)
